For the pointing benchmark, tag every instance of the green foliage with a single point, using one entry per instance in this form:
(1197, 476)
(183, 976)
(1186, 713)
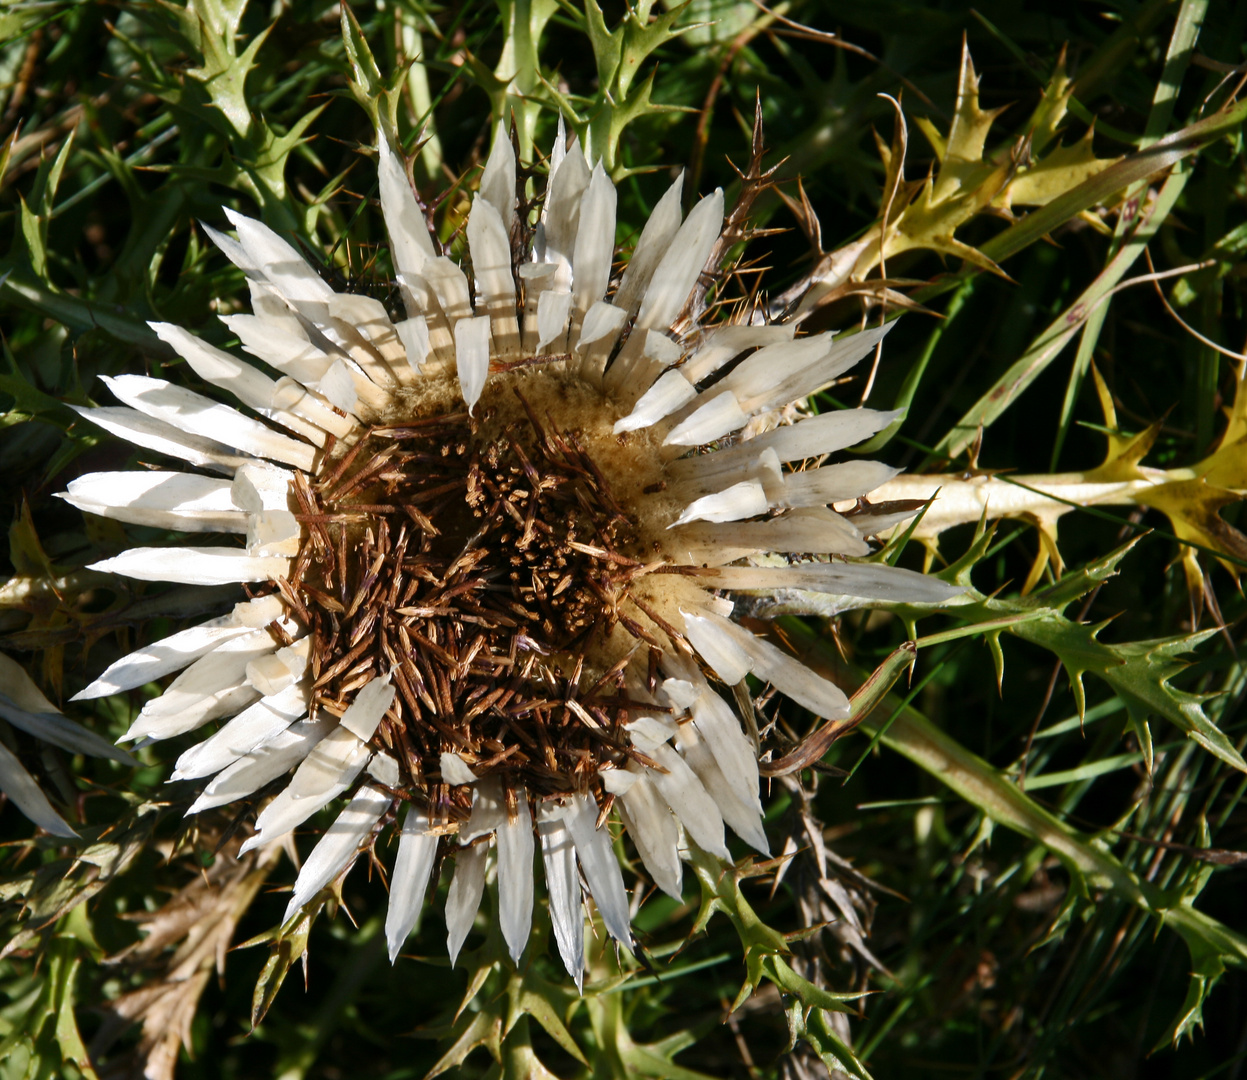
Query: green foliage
(765, 951)
(1016, 877)
(42, 1040)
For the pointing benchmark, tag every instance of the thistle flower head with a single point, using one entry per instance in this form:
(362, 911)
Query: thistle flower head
(491, 546)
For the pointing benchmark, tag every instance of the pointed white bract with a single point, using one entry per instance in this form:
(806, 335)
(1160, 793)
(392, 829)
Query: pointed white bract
(662, 399)
(595, 242)
(656, 237)
(558, 855)
(488, 811)
(169, 500)
(337, 848)
(278, 345)
(163, 657)
(552, 312)
(681, 789)
(562, 211)
(813, 531)
(720, 731)
(413, 866)
(472, 357)
(515, 876)
(213, 365)
(264, 764)
(601, 868)
(718, 647)
(769, 663)
(201, 416)
(464, 899)
(693, 431)
(410, 244)
(323, 775)
(719, 416)
(154, 434)
(490, 247)
(213, 686)
(738, 812)
(655, 833)
(257, 724)
(677, 271)
(370, 705)
(195, 565)
(278, 262)
(873, 581)
(601, 326)
(498, 179)
(744, 500)
(834, 483)
(728, 342)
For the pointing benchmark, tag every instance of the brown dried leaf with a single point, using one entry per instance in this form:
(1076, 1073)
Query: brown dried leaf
(200, 921)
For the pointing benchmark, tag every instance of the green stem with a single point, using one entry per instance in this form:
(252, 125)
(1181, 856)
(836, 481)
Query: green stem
(976, 781)
(420, 96)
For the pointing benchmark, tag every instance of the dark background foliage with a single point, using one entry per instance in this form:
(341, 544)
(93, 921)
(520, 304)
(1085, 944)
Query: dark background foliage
(982, 976)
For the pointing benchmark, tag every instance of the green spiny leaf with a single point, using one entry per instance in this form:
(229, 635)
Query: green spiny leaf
(529, 994)
(289, 943)
(483, 1028)
(814, 1028)
(641, 37)
(607, 44)
(376, 95)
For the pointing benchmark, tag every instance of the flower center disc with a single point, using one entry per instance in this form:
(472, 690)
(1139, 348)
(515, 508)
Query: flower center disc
(485, 562)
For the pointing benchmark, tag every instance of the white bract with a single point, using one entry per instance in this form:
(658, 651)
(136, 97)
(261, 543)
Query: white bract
(691, 438)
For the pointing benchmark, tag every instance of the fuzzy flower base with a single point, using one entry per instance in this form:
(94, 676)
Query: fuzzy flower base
(490, 548)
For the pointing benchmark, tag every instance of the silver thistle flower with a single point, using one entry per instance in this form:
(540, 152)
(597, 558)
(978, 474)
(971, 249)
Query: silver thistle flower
(488, 546)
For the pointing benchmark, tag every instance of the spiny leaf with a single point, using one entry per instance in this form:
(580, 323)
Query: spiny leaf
(1044, 124)
(1125, 452)
(641, 37)
(534, 996)
(49, 1028)
(764, 948)
(1088, 862)
(483, 1028)
(1038, 183)
(607, 44)
(961, 160)
(970, 179)
(813, 1027)
(1190, 497)
(376, 95)
(1140, 672)
(289, 943)
(57, 888)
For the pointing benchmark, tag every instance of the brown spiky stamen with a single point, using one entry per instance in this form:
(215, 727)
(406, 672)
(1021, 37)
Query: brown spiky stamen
(482, 564)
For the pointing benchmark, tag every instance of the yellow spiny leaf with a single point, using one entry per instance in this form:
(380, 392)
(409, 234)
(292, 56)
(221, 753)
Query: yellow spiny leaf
(1045, 122)
(1226, 465)
(1060, 171)
(1237, 427)
(945, 244)
(968, 132)
(1125, 452)
(1192, 506)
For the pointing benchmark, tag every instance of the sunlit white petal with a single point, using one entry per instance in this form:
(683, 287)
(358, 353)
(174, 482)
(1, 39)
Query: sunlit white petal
(464, 899)
(601, 868)
(515, 877)
(339, 845)
(558, 855)
(413, 866)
